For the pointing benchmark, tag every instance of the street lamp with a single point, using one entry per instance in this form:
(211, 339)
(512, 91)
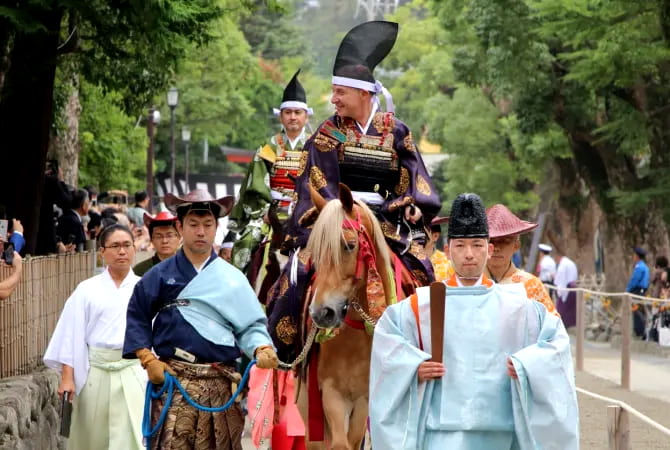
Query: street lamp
(172, 100)
(153, 118)
(186, 138)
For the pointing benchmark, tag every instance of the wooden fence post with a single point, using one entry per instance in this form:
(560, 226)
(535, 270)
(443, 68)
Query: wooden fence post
(626, 331)
(580, 330)
(618, 431)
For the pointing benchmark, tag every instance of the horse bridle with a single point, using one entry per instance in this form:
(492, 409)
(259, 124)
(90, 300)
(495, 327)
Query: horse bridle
(365, 244)
(366, 255)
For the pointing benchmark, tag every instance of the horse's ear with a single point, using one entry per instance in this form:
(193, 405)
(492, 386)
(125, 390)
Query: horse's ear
(317, 198)
(346, 198)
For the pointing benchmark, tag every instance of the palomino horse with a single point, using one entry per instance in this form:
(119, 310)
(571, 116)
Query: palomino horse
(347, 247)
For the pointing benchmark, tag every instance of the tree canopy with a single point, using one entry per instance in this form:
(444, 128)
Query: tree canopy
(516, 92)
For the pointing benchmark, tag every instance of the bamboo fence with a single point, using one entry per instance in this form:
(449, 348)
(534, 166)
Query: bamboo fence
(29, 315)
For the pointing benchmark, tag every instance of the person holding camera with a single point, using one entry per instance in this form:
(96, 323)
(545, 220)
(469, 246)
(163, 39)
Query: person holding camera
(8, 285)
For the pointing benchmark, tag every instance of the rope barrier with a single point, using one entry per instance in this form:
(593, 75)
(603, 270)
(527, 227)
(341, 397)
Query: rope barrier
(640, 298)
(168, 387)
(628, 408)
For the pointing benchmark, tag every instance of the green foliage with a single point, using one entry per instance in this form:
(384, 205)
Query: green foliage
(223, 91)
(481, 157)
(129, 47)
(272, 34)
(422, 57)
(445, 102)
(134, 48)
(585, 79)
(113, 150)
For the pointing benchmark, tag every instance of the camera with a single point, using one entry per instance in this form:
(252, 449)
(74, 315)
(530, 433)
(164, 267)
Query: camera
(8, 253)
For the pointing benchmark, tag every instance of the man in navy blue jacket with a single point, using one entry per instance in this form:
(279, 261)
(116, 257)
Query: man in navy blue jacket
(638, 284)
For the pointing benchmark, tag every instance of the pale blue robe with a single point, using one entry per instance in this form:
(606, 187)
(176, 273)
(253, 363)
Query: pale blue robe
(476, 405)
(224, 308)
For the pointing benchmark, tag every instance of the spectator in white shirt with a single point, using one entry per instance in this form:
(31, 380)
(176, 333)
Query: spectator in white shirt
(566, 277)
(547, 269)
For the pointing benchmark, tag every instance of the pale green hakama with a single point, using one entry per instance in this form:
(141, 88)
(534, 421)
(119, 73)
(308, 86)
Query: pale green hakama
(108, 412)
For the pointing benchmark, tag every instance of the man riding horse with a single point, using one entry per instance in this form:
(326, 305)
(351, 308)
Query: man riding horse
(266, 195)
(374, 154)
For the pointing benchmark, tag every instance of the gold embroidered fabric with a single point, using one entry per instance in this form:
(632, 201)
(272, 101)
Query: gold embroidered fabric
(378, 122)
(409, 143)
(389, 231)
(418, 250)
(302, 163)
(422, 185)
(401, 202)
(283, 285)
(403, 183)
(316, 178)
(286, 330)
(324, 143)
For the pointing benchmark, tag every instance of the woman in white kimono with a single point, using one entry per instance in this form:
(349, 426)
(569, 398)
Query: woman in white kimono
(107, 391)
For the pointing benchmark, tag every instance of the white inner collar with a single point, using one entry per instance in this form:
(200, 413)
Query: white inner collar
(294, 142)
(375, 107)
(478, 283)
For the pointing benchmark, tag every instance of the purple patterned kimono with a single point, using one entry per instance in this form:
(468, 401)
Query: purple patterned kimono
(385, 161)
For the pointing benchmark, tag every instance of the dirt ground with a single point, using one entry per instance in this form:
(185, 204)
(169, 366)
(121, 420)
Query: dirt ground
(593, 416)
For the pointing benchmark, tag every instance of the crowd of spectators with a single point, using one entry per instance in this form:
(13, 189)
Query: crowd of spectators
(650, 321)
(71, 216)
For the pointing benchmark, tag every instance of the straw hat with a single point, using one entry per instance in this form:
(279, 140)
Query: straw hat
(502, 222)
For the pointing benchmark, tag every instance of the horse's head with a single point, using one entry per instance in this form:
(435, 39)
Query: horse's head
(345, 241)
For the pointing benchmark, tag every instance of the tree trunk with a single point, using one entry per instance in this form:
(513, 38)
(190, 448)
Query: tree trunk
(584, 207)
(577, 221)
(25, 120)
(65, 146)
(6, 44)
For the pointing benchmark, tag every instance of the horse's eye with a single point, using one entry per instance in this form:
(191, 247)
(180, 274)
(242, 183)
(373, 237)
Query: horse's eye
(349, 246)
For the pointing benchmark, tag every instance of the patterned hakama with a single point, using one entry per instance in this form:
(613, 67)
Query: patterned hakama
(188, 428)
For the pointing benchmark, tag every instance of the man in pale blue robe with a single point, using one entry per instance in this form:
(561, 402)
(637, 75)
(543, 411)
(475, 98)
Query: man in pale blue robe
(506, 381)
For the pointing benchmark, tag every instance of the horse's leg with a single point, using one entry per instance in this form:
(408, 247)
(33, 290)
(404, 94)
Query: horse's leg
(302, 403)
(358, 423)
(336, 410)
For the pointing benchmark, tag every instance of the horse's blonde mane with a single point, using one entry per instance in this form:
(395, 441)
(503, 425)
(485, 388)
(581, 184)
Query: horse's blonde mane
(324, 242)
